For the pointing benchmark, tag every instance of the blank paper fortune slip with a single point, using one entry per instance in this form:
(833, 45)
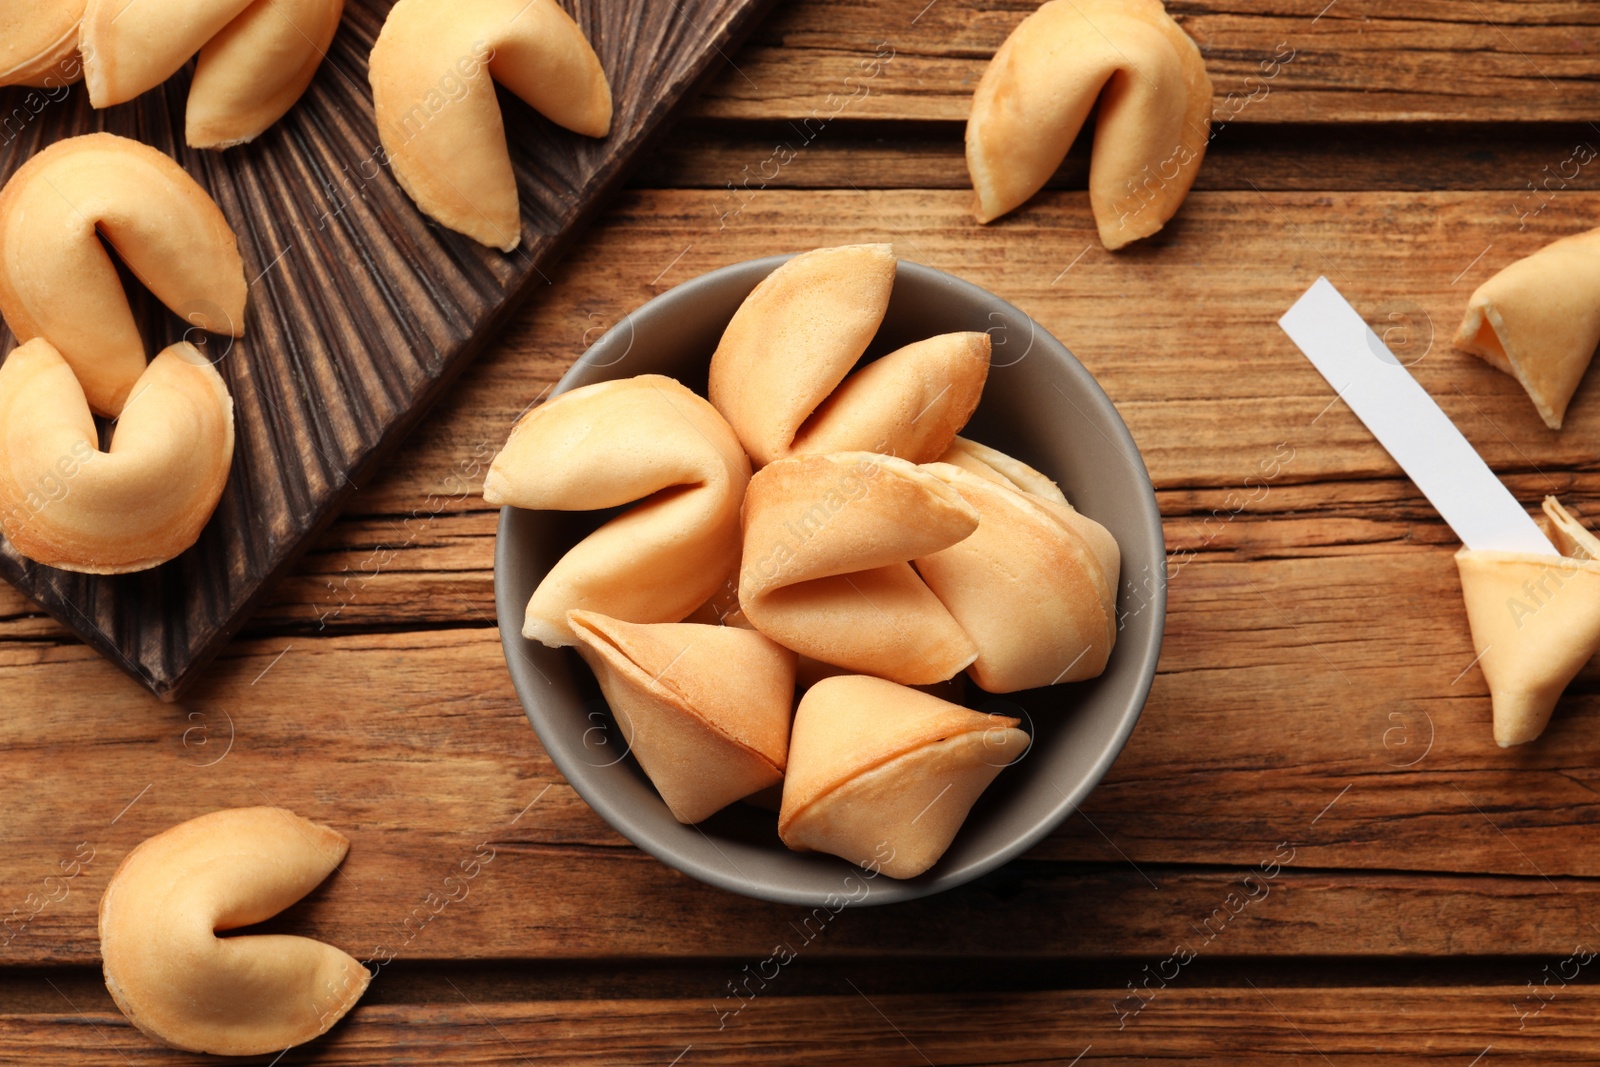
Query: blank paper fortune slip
(1407, 422)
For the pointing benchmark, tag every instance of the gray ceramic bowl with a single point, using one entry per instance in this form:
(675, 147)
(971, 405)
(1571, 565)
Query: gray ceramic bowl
(1041, 406)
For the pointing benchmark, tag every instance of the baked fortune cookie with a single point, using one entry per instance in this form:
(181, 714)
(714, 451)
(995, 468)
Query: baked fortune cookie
(646, 441)
(256, 58)
(705, 709)
(827, 540)
(39, 42)
(1535, 622)
(433, 72)
(1151, 126)
(66, 504)
(1035, 585)
(883, 776)
(180, 983)
(1538, 320)
(58, 282)
(779, 373)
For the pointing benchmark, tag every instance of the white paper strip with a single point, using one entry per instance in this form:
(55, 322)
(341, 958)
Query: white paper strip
(1407, 422)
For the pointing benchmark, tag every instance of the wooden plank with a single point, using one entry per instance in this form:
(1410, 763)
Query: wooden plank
(1362, 1027)
(1352, 61)
(362, 310)
(24, 990)
(421, 570)
(714, 154)
(418, 570)
(414, 746)
(1180, 330)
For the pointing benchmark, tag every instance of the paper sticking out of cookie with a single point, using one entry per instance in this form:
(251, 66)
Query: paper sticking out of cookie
(1533, 600)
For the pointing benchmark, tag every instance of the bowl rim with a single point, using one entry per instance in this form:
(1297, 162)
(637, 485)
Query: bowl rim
(509, 619)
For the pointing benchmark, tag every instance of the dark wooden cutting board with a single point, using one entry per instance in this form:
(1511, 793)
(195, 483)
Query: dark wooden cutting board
(361, 309)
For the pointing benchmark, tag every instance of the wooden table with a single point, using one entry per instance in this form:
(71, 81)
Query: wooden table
(1316, 709)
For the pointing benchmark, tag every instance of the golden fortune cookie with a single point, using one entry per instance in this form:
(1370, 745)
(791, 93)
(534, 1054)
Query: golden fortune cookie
(58, 214)
(1535, 622)
(66, 504)
(826, 571)
(433, 72)
(781, 374)
(39, 42)
(256, 58)
(647, 441)
(1538, 320)
(244, 995)
(1129, 63)
(883, 775)
(1035, 586)
(704, 709)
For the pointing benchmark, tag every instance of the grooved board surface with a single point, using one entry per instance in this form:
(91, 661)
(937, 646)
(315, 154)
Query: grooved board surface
(361, 309)
(1271, 61)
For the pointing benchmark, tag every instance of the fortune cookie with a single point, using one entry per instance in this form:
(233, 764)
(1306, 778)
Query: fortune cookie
(256, 58)
(883, 776)
(827, 540)
(646, 441)
(779, 373)
(1538, 320)
(250, 995)
(58, 282)
(1151, 126)
(1035, 585)
(1535, 622)
(66, 504)
(39, 42)
(705, 709)
(433, 72)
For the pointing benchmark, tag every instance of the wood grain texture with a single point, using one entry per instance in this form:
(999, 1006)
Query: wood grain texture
(1314, 688)
(413, 745)
(1258, 1024)
(1369, 61)
(361, 309)
(881, 154)
(1180, 330)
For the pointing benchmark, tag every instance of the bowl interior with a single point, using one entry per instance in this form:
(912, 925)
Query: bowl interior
(1041, 406)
